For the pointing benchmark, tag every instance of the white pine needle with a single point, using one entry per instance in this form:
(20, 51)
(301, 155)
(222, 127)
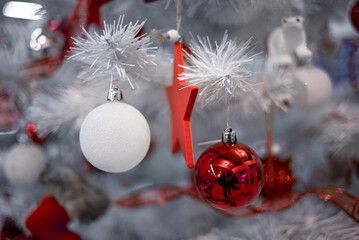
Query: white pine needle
(343, 134)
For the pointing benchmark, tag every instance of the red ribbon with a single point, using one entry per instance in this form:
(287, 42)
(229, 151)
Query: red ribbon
(161, 195)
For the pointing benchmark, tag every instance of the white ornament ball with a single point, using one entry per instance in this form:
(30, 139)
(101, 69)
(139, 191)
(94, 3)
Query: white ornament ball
(173, 35)
(313, 87)
(115, 137)
(24, 164)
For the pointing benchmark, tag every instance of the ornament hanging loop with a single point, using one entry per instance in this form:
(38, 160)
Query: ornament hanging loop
(172, 35)
(229, 136)
(179, 15)
(114, 94)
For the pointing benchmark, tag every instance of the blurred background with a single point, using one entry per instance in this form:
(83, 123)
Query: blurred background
(306, 70)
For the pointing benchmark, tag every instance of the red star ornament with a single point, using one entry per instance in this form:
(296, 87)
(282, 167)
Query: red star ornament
(94, 11)
(181, 98)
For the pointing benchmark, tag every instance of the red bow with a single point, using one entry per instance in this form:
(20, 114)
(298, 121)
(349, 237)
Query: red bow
(48, 221)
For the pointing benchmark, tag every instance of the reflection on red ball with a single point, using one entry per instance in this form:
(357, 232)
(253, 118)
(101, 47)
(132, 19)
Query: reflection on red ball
(229, 176)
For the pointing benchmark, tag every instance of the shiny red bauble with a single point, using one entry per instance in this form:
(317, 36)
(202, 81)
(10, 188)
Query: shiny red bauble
(229, 176)
(354, 15)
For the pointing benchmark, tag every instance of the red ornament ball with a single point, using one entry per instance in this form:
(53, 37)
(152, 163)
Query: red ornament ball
(278, 177)
(354, 15)
(229, 175)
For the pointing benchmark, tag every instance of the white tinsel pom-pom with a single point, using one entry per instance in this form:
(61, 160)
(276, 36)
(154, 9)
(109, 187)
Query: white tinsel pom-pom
(119, 50)
(219, 71)
(24, 164)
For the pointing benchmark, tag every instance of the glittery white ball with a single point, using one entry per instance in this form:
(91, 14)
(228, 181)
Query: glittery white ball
(115, 137)
(313, 87)
(24, 164)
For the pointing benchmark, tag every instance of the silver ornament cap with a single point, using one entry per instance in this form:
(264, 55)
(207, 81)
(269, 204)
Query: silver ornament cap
(229, 136)
(114, 94)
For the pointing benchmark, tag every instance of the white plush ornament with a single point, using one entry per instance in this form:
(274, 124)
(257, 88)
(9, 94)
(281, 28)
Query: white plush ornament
(115, 137)
(313, 87)
(287, 44)
(173, 35)
(24, 164)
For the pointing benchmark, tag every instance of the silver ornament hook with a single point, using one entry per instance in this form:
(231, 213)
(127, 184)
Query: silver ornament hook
(114, 94)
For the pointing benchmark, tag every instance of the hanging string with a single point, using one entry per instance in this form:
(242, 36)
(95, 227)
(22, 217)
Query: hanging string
(228, 115)
(179, 14)
(227, 99)
(111, 84)
(172, 35)
(228, 102)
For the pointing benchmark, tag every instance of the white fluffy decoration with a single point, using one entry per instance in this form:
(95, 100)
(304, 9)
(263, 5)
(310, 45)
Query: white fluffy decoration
(24, 164)
(313, 87)
(119, 50)
(63, 111)
(243, 12)
(277, 90)
(342, 132)
(287, 44)
(221, 71)
(115, 137)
